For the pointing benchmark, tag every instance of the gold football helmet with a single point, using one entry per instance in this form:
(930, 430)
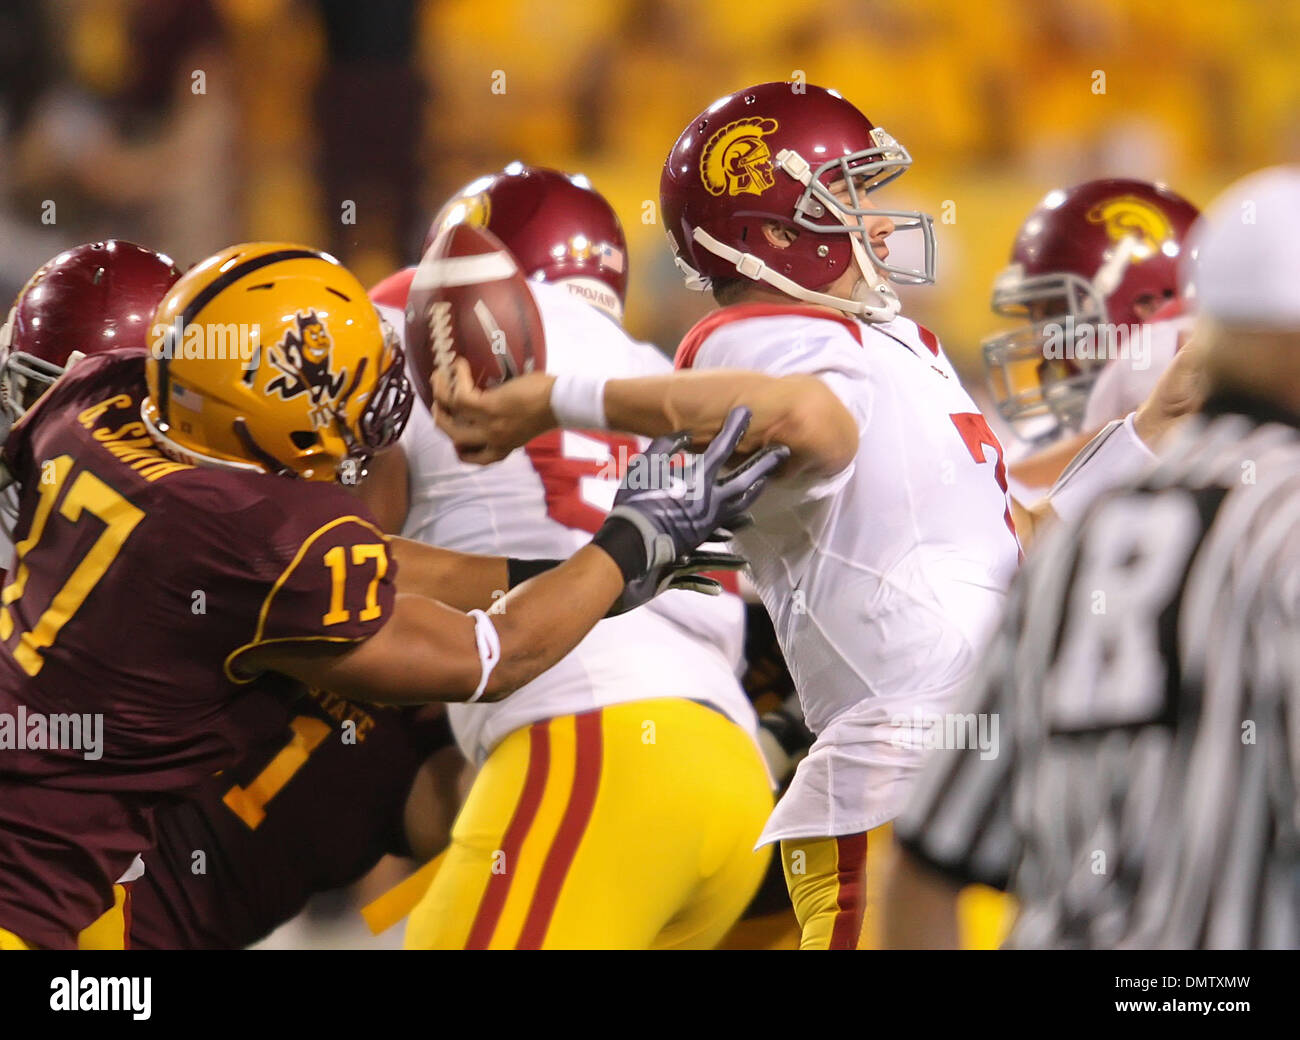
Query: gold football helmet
(270, 357)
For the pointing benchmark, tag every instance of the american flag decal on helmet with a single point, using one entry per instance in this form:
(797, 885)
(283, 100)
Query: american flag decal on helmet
(610, 256)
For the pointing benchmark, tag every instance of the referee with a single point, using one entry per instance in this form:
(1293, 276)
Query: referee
(1146, 677)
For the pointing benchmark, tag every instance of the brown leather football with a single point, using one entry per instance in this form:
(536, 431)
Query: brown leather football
(469, 298)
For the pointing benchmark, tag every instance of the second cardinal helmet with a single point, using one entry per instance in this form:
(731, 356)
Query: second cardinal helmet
(1103, 253)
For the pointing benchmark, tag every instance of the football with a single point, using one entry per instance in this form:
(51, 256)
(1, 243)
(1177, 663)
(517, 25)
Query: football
(469, 298)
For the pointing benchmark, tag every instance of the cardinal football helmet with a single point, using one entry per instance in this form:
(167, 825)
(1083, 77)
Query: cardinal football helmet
(559, 228)
(270, 357)
(88, 299)
(1104, 251)
(773, 153)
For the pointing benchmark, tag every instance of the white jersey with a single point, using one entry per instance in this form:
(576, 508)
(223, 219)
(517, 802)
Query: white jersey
(545, 501)
(1126, 382)
(884, 580)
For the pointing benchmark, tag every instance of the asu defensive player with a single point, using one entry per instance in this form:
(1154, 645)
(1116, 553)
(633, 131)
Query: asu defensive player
(183, 549)
(883, 553)
(619, 795)
(1093, 267)
(347, 794)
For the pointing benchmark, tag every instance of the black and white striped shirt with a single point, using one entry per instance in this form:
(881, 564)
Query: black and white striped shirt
(1146, 680)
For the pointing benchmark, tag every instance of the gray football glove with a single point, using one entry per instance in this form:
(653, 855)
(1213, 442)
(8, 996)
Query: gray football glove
(652, 528)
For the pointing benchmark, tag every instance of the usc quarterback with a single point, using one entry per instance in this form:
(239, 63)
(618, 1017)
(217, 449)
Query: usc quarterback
(183, 548)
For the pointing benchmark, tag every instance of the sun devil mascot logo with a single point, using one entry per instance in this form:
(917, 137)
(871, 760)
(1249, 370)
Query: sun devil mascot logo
(737, 160)
(304, 359)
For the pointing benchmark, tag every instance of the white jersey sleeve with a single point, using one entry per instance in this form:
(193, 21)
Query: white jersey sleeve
(795, 346)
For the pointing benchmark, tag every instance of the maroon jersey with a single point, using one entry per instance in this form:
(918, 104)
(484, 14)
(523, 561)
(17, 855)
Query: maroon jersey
(313, 811)
(137, 584)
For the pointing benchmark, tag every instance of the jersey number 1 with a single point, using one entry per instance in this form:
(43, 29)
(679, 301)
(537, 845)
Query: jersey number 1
(249, 803)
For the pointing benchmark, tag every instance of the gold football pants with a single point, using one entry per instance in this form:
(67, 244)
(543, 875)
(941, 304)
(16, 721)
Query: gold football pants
(628, 827)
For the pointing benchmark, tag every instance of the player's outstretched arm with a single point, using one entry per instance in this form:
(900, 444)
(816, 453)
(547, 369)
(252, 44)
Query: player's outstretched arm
(430, 651)
(464, 581)
(467, 581)
(798, 411)
(1121, 449)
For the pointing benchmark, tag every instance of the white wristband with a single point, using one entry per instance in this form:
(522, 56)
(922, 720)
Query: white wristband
(1113, 458)
(578, 401)
(489, 649)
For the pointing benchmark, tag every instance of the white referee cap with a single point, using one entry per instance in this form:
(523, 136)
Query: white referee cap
(1244, 264)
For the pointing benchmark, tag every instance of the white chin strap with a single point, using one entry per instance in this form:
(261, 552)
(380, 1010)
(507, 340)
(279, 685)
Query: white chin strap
(873, 298)
(874, 290)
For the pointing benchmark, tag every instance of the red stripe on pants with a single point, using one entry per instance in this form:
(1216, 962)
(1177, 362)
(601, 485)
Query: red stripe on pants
(494, 897)
(577, 814)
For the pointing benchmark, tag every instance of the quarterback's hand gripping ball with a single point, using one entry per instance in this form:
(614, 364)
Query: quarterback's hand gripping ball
(469, 300)
(487, 426)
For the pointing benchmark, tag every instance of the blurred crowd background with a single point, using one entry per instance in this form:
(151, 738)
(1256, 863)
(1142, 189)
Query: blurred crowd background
(192, 124)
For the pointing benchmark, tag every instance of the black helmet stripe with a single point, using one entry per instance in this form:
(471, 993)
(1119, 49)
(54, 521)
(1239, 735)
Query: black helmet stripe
(217, 285)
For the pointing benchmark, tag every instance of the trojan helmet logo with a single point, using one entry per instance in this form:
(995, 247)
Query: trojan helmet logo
(736, 160)
(1128, 216)
(303, 359)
